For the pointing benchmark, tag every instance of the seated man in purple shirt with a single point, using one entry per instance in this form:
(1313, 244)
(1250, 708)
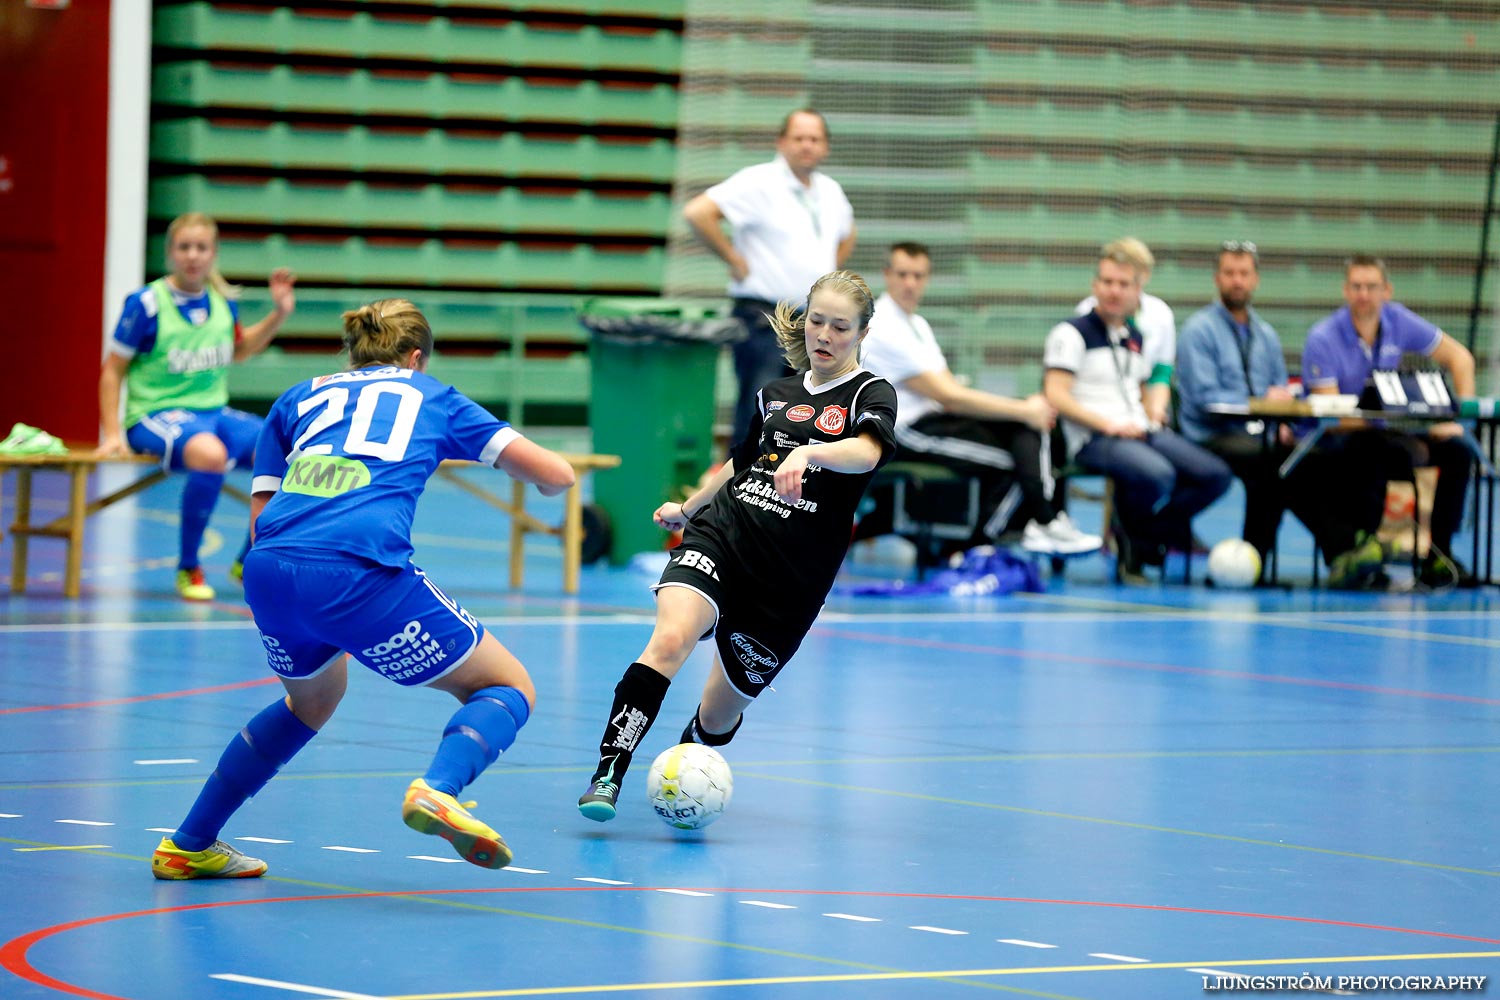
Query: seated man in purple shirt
(1342, 349)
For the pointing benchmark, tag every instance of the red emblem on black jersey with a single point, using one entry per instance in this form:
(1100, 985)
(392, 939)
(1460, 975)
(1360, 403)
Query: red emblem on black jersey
(801, 412)
(831, 420)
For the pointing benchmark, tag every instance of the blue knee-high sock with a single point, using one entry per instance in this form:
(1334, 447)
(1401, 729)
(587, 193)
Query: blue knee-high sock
(199, 494)
(477, 734)
(252, 758)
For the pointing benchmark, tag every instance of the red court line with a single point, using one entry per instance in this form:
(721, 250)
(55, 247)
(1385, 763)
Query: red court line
(13, 954)
(188, 693)
(1098, 661)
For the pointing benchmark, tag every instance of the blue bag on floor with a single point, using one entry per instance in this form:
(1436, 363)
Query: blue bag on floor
(984, 570)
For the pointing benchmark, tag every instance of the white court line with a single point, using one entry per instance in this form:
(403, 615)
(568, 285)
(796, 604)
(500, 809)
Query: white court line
(854, 917)
(83, 822)
(1019, 942)
(523, 871)
(352, 850)
(277, 984)
(441, 861)
(936, 930)
(1116, 958)
(165, 829)
(255, 840)
(601, 881)
(11, 815)
(684, 892)
(168, 760)
(769, 906)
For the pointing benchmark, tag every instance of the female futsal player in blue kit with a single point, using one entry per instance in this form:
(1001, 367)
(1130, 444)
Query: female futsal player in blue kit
(339, 466)
(171, 350)
(765, 536)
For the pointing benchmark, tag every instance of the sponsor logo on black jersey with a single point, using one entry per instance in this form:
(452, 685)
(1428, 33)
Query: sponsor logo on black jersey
(753, 656)
(775, 405)
(831, 420)
(800, 412)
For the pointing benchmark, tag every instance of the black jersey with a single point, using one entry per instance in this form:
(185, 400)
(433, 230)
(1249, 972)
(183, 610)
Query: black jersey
(798, 546)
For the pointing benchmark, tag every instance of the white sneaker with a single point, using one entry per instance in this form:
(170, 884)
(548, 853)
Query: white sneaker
(1066, 538)
(1035, 538)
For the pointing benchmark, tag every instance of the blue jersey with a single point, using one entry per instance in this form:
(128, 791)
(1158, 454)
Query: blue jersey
(347, 456)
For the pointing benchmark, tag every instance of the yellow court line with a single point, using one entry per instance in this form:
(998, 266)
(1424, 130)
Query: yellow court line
(941, 974)
(59, 847)
(1124, 824)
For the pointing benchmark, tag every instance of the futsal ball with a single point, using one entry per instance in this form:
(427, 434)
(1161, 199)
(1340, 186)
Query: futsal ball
(1233, 563)
(689, 786)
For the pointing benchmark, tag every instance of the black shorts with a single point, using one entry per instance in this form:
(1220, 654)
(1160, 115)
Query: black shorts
(756, 629)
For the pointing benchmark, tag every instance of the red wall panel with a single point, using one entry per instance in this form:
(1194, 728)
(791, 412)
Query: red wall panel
(54, 112)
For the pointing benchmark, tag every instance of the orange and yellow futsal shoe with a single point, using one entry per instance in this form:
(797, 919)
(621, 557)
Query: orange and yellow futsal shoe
(427, 810)
(219, 860)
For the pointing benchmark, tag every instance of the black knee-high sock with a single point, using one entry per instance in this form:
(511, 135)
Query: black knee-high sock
(695, 733)
(638, 699)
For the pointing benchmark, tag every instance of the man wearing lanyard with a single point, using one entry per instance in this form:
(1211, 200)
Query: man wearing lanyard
(1000, 441)
(1371, 332)
(791, 225)
(1227, 353)
(1097, 374)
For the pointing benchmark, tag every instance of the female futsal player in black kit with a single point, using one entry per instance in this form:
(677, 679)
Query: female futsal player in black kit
(764, 538)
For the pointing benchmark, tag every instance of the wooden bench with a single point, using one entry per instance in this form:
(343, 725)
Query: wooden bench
(522, 523)
(77, 463)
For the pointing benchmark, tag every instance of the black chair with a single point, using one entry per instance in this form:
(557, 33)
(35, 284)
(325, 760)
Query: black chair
(930, 505)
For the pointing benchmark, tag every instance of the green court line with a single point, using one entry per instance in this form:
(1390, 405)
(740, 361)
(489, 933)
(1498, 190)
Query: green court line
(1123, 824)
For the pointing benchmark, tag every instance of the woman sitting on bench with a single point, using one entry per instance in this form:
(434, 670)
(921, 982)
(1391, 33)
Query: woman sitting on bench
(172, 349)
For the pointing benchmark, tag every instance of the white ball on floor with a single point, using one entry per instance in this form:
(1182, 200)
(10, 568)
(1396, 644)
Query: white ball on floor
(689, 786)
(1234, 563)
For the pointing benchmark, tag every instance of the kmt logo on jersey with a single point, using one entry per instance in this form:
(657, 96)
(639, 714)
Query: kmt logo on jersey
(800, 412)
(832, 419)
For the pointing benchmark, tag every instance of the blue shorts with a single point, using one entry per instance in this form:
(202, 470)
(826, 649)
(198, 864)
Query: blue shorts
(166, 431)
(394, 621)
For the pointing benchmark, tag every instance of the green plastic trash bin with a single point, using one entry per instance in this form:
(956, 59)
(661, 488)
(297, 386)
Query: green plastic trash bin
(652, 365)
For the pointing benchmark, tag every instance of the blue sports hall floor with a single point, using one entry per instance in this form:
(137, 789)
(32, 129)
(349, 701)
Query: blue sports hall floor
(1096, 792)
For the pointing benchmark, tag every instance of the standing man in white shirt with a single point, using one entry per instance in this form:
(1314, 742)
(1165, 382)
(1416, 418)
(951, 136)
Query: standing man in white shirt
(1001, 441)
(791, 225)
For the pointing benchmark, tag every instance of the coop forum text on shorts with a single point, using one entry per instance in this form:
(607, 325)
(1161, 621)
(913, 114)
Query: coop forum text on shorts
(1343, 984)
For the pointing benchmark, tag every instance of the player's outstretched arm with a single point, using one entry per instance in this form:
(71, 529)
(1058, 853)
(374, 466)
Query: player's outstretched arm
(531, 463)
(674, 516)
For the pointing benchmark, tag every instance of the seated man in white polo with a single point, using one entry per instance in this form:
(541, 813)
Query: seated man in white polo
(1000, 441)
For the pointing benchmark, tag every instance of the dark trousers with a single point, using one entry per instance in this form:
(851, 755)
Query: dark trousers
(1376, 455)
(1317, 492)
(1011, 460)
(1161, 481)
(757, 360)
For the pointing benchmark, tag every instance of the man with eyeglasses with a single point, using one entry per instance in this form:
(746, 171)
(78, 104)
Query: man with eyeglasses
(1226, 354)
(1373, 333)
